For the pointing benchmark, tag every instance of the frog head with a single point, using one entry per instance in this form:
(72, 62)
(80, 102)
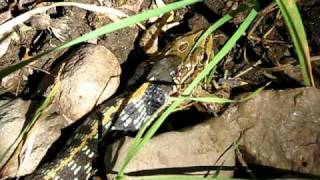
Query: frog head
(192, 60)
(177, 63)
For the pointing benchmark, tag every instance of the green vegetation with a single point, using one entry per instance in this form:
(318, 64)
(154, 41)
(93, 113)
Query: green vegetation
(292, 18)
(295, 27)
(141, 140)
(103, 30)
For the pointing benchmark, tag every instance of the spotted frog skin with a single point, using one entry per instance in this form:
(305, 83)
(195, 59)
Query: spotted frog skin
(150, 88)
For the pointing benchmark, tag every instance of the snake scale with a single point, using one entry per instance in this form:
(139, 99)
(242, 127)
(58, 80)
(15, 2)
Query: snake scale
(126, 112)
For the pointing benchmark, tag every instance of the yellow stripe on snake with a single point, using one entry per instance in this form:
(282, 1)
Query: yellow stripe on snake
(129, 111)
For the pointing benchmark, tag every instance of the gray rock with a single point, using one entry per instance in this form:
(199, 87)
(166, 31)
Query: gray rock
(35, 145)
(278, 129)
(90, 76)
(12, 119)
(282, 130)
(202, 146)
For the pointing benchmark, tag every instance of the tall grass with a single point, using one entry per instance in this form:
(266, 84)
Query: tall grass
(290, 14)
(143, 137)
(126, 22)
(292, 18)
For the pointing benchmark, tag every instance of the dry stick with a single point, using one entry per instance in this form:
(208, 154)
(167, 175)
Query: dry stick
(248, 69)
(262, 15)
(315, 58)
(9, 25)
(131, 20)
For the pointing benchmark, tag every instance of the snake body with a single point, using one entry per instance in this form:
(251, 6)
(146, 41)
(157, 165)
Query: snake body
(126, 112)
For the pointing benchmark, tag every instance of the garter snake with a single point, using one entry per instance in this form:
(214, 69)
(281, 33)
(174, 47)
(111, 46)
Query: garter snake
(130, 110)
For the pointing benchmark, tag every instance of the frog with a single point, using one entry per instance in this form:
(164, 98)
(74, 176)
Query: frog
(188, 70)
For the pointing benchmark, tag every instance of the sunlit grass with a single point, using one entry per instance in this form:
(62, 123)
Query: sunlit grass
(126, 22)
(292, 18)
(143, 137)
(181, 177)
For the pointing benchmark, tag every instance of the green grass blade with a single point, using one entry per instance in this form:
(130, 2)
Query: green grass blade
(104, 30)
(138, 137)
(180, 177)
(295, 26)
(249, 4)
(129, 21)
(215, 60)
(221, 100)
(223, 52)
(255, 93)
(11, 68)
(211, 29)
(205, 99)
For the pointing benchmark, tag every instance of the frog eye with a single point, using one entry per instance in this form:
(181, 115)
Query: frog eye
(183, 46)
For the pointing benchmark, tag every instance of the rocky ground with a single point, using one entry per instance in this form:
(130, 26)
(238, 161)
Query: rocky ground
(273, 135)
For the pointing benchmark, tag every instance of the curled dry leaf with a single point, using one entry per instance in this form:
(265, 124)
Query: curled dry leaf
(59, 27)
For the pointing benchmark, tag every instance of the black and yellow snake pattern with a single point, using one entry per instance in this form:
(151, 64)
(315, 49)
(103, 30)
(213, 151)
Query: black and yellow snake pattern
(127, 112)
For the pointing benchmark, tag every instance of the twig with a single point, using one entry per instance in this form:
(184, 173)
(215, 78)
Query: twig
(9, 25)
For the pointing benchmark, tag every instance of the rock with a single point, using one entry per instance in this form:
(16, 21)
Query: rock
(196, 150)
(282, 130)
(91, 75)
(31, 151)
(279, 129)
(12, 118)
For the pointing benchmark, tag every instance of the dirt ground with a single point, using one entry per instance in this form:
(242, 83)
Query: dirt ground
(273, 135)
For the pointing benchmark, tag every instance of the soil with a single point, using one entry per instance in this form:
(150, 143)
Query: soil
(265, 54)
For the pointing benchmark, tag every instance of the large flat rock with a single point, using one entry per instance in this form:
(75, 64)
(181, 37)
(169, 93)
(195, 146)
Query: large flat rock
(282, 130)
(277, 129)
